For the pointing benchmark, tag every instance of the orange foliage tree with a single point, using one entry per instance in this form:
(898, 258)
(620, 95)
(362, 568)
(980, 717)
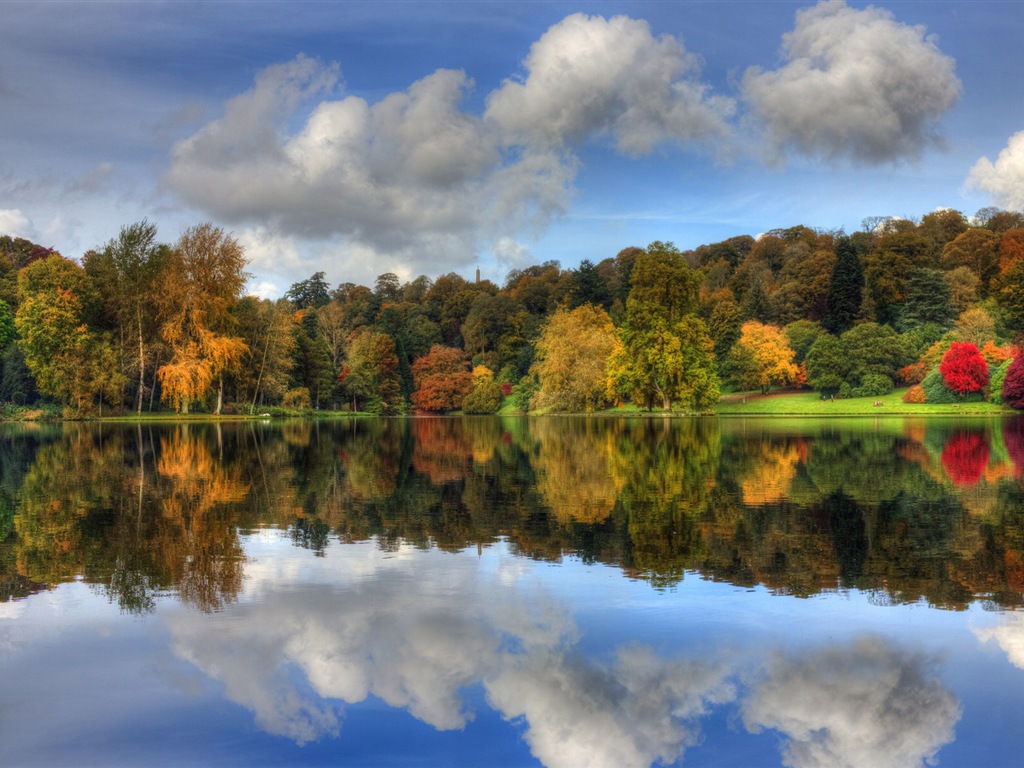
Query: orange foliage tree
(442, 379)
(762, 357)
(205, 279)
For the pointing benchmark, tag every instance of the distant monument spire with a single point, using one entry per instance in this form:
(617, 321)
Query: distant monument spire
(478, 274)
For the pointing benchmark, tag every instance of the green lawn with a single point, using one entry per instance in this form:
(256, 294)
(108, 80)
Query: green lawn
(811, 404)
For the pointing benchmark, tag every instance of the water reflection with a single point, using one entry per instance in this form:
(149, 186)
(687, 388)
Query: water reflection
(905, 509)
(420, 636)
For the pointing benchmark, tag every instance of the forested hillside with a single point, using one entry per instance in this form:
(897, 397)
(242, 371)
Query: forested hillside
(139, 325)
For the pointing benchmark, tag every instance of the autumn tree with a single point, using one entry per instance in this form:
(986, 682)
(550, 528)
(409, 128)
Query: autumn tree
(205, 277)
(762, 357)
(442, 379)
(69, 360)
(372, 374)
(572, 357)
(978, 250)
(130, 270)
(1013, 384)
(963, 369)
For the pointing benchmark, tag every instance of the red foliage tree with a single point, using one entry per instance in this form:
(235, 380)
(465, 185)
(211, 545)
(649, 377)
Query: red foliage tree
(963, 368)
(1013, 384)
(965, 457)
(442, 379)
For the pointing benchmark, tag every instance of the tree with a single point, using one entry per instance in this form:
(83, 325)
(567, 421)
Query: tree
(442, 379)
(843, 301)
(926, 300)
(572, 357)
(651, 363)
(266, 328)
(588, 287)
(1013, 384)
(69, 360)
(129, 269)
(978, 250)
(205, 277)
(963, 369)
(309, 294)
(373, 371)
(827, 364)
(872, 348)
(762, 357)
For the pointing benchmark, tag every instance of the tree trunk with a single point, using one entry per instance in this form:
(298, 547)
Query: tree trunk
(142, 360)
(220, 396)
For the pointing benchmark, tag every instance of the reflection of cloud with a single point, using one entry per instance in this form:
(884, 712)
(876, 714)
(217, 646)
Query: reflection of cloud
(638, 711)
(416, 638)
(865, 705)
(1009, 634)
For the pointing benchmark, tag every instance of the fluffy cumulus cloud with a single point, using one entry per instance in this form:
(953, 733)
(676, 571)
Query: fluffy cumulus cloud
(416, 179)
(587, 76)
(1003, 179)
(867, 704)
(857, 85)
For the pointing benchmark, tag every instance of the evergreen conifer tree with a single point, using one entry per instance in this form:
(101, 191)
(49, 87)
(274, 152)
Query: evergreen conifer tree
(843, 301)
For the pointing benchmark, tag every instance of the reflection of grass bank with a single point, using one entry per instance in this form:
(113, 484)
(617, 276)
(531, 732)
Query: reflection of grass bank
(811, 404)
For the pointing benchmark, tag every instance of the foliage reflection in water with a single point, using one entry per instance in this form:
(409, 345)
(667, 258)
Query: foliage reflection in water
(457, 570)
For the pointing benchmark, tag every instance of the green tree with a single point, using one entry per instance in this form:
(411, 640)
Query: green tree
(69, 361)
(129, 270)
(927, 299)
(651, 364)
(827, 364)
(843, 301)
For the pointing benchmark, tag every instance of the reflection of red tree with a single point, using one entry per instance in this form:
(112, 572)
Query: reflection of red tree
(1013, 439)
(965, 457)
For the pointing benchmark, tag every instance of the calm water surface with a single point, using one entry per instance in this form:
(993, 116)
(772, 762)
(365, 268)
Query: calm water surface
(557, 592)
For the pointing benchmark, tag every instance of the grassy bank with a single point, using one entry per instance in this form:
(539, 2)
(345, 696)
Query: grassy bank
(811, 404)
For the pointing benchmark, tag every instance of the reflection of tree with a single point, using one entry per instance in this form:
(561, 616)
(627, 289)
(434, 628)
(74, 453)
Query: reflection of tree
(572, 469)
(197, 536)
(965, 456)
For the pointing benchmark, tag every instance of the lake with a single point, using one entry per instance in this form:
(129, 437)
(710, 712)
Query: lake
(545, 591)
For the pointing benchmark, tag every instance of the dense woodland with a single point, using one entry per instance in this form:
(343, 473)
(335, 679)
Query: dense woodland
(135, 325)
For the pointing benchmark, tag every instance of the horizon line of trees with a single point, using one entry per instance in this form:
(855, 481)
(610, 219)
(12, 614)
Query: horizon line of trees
(935, 304)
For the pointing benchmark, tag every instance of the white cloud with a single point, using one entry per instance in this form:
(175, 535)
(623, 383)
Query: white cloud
(414, 179)
(15, 224)
(857, 85)
(588, 76)
(865, 705)
(1003, 179)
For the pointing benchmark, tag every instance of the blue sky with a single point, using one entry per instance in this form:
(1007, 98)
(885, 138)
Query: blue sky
(422, 138)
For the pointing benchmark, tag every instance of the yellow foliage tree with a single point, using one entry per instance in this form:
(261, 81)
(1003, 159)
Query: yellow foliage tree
(762, 357)
(206, 277)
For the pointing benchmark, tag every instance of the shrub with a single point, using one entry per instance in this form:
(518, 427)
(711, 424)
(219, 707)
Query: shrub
(913, 374)
(914, 395)
(845, 391)
(936, 391)
(873, 385)
(484, 398)
(297, 398)
(523, 392)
